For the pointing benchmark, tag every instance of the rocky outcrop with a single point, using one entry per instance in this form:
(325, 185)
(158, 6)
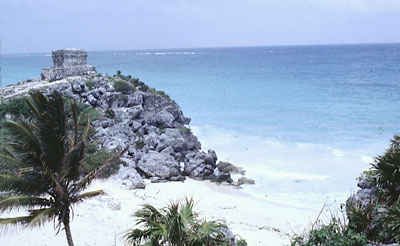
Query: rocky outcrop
(161, 146)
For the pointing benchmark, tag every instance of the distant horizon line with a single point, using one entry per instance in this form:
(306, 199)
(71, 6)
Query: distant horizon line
(208, 47)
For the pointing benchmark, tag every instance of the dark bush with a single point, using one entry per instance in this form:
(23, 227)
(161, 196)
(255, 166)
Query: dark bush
(96, 158)
(334, 233)
(90, 84)
(15, 107)
(123, 86)
(387, 169)
(109, 113)
(392, 221)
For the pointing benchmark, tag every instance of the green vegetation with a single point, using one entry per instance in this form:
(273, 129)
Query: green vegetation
(241, 242)
(16, 106)
(109, 113)
(139, 144)
(94, 159)
(43, 155)
(376, 220)
(90, 84)
(185, 130)
(176, 225)
(136, 83)
(334, 233)
(387, 172)
(392, 221)
(123, 86)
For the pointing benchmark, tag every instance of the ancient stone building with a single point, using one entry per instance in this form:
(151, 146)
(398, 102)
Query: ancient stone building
(67, 62)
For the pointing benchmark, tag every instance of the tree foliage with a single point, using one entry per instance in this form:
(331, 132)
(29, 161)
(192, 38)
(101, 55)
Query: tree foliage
(44, 153)
(175, 225)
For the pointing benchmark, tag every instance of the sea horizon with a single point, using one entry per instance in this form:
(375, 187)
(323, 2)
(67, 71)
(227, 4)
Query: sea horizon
(204, 47)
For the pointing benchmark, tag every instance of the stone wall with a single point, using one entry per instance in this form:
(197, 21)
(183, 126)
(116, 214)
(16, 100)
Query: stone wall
(67, 62)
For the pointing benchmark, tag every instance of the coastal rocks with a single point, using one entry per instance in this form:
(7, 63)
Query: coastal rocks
(244, 180)
(226, 167)
(200, 164)
(160, 165)
(131, 178)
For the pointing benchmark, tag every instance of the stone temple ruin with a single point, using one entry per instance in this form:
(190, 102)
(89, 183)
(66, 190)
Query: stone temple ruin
(67, 62)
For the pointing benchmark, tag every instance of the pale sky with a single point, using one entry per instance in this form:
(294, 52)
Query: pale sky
(43, 25)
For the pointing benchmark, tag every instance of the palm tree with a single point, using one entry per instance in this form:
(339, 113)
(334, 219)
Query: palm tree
(175, 225)
(43, 154)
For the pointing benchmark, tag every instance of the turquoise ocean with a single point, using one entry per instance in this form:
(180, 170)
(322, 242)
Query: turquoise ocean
(304, 121)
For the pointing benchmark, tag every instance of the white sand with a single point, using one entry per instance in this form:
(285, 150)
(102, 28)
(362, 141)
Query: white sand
(260, 218)
(99, 221)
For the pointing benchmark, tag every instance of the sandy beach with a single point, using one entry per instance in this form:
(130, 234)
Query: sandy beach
(103, 221)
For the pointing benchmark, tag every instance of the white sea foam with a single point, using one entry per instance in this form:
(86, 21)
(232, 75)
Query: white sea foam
(296, 174)
(164, 53)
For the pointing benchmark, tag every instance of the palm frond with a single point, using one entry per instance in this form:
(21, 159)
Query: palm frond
(88, 178)
(148, 215)
(15, 221)
(16, 202)
(88, 195)
(40, 216)
(36, 217)
(50, 121)
(72, 161)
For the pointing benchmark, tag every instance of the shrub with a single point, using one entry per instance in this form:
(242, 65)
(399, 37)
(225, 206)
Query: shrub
(177, 224)
(387, 169)
(109, 113)
(185, 130)
(123, 86)
(15, 107)
(334, 233)
(123, 77)
(139, 144)
(96, 158)
(392, 221)
(90, 84)
(241, 242)
(359, 217)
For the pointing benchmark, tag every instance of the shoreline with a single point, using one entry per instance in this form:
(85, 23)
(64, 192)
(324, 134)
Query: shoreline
(103, 221)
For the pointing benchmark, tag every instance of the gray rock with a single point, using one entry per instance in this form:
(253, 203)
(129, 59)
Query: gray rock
(161, 165)
(244, 180)
(366, 181)
(92, 100)
(226, 167)
(199, 164)
(160, 119)
(131, 178)
(135, 125)
(135, 99)
(78, 86)
(134, 112)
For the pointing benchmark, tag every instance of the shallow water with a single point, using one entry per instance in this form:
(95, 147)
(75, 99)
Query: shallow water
(304, 121)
